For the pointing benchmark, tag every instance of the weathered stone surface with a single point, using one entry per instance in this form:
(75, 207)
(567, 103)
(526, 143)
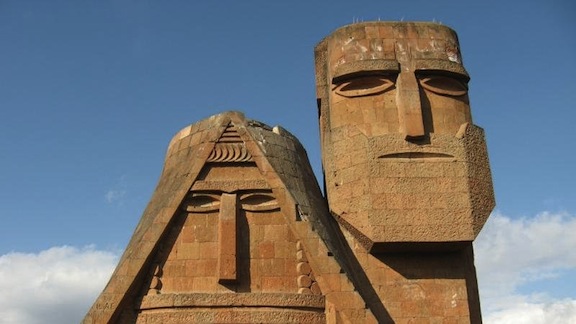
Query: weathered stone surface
(406, 171)
(231, 315)
(228, 235)
(237, 230)
(402, 160)
(233, 299)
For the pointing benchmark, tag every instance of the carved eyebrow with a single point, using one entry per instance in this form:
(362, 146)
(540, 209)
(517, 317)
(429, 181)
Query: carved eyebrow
(251, 200)
(259, 201)
(203, 202)
(448, 68)
(363, 68)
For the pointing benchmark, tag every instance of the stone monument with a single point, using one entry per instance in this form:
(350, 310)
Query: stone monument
(238, 231)
(406, 171)
(231, 236)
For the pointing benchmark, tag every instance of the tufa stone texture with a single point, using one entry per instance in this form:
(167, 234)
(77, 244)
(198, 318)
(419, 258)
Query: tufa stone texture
(231, 236)
(406, 171)
(403, 162)
(238, 231)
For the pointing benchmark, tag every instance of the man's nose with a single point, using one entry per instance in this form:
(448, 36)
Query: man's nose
(409, 105)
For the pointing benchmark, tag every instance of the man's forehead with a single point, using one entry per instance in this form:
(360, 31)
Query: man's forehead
(428, 45)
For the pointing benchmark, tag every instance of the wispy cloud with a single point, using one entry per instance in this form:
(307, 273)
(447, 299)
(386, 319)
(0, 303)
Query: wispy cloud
(516, 258)
(117, 192)
(113, 196)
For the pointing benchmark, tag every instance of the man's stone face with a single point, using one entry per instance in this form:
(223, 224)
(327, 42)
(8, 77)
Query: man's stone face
(394, 111)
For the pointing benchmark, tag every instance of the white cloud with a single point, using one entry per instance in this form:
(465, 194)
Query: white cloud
(514, 254)
(57, 285)
(554, 312)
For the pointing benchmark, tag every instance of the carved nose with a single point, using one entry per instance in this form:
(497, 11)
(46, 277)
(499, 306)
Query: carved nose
(227, 237)
(409, 106)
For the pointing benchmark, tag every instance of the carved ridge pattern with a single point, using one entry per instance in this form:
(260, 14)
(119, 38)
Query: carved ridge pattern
(229, 152)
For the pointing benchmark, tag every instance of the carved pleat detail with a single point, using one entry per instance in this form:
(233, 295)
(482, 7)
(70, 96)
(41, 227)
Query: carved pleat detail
(229, 152)
(230, 147)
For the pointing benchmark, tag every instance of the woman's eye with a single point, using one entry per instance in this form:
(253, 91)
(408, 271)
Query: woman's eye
(445, 86)
(259, 202)
(203, 203)
(364, 86)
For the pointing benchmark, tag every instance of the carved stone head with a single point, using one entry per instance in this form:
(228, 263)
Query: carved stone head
(403, 162)
(217, 242)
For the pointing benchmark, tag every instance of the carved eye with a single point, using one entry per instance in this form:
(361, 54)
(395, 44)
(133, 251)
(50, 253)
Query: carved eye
(445, 86)
(203, 203)
(364, 86)
(259, 202)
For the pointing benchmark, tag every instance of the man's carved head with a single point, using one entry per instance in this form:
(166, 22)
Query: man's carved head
(397, 133)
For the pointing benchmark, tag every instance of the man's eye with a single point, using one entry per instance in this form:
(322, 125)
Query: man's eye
(203, 203)
(364, 86)
(259, 202)
(445, 86)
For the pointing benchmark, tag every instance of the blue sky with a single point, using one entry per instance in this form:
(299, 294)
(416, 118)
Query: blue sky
(92, 91)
